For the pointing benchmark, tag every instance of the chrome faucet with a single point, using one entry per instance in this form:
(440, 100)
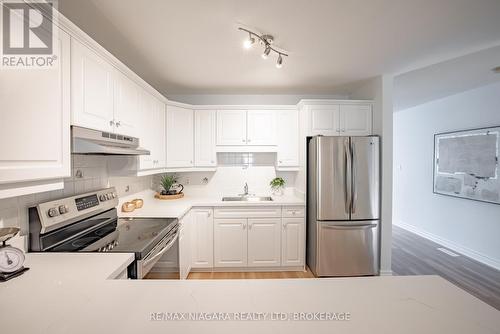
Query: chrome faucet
(245, 190)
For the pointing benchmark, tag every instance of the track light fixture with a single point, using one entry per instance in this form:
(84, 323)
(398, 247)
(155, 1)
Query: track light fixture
(265, 41)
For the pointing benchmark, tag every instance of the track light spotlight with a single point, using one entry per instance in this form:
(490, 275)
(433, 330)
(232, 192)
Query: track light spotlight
(266, 52)
(279, 62)
(247, 44)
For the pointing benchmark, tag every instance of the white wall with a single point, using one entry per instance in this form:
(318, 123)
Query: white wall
(467, 226)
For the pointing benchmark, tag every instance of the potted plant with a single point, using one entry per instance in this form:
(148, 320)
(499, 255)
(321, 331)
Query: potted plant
(277, 186)
(167, 182)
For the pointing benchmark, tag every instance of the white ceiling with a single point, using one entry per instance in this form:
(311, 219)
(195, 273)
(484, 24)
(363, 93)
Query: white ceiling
(193, 46)
(446, 78)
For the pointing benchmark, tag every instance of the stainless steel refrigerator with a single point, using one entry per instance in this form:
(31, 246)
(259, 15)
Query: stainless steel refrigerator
(343, 205)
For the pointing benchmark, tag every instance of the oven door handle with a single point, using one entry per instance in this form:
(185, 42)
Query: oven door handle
(163, 251)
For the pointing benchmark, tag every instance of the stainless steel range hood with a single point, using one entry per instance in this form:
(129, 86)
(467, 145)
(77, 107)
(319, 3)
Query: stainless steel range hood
(87, 141)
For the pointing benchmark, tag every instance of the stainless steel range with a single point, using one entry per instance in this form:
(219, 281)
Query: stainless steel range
(89, 223)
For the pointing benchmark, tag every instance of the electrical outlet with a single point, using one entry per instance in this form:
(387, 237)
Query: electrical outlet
(186, 181)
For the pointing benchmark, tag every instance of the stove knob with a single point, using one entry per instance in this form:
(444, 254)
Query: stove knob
(108, 196)
(102, 198)
(113, 195)
(53, 212)
(63, 209)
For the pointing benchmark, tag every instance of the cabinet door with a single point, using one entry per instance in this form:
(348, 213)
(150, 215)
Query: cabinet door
(231, 127)
(204, 138)
(179, 132)
(355, 120)
(146, 137)
(230, 243)
(126, 105)
(324, 120)
(35, 120)
(288, 138)
(264, 242)
(203, 238)
(261, 127)
(91, 89)
(293, 241)
(159, 136)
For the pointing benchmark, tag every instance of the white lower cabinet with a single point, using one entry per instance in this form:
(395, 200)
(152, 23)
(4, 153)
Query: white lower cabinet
(293, 242)
(264, 242)
(230, 242)
(202, 236)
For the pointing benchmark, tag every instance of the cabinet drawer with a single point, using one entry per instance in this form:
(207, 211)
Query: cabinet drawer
(293, 211)
(248, 212)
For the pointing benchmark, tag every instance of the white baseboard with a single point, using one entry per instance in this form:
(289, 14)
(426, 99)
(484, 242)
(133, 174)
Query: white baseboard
(494, 263)
(385, 273)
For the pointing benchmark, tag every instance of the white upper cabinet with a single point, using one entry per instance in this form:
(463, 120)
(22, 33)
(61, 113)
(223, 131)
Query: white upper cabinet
(180, 137)
(287, 134)
(127, 113)
(231, 127)
(151, 131)
(202, 233)
(230, 242)
(91, 89)
(325, 119)
(342, 119)
(35, 121)
(204, 138)
(261, 127)
(293, 242)
(356, 120)
(264, 242)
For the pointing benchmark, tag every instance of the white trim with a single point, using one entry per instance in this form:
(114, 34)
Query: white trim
(247, 149)
(287, 169)
(485, 259)
(305, 102)
(31, 187)
(385, 273)
(175, 170)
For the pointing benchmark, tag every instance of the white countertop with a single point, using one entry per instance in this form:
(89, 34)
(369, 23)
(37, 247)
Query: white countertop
(155, 208)
(71, 293)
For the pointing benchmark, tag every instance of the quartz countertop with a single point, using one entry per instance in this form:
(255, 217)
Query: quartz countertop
(72, 293)
(155, 208)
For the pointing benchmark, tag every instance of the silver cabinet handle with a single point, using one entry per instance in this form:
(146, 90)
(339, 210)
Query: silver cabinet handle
(244, 226)
(248, 140)
(209, 214)
(343, 130)
(250, 226)
(118, 124)
(284, 226)
(349, 227)
(112, 122)
(243, 140)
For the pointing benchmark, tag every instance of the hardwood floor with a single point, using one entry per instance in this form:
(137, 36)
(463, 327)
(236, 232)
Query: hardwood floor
(252, 275)
(239, 275)
(414, 255)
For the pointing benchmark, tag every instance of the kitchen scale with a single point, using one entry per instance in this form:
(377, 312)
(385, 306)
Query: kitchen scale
(11, 258)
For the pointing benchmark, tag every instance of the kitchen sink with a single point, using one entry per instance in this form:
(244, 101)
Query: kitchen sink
(247, 199)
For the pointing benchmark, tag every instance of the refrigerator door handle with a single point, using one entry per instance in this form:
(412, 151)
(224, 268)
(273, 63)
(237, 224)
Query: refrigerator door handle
(347, 176)
(350, 227)
(354, 198)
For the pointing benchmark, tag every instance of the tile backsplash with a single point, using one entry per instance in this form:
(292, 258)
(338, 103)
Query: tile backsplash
(88, 173)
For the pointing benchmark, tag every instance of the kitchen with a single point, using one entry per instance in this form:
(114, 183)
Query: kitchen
(96, 203)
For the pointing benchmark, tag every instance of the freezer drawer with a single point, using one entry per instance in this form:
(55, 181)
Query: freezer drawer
(347, 248)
